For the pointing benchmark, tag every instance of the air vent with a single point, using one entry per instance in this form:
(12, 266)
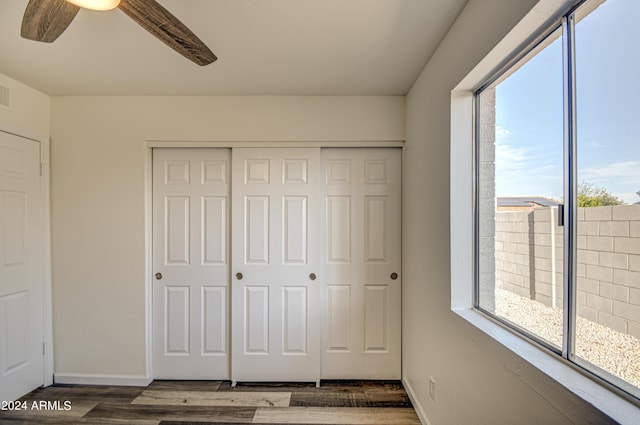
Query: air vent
(5, 97)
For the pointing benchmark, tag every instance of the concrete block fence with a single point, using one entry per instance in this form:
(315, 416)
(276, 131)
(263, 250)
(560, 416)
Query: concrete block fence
(529, 261)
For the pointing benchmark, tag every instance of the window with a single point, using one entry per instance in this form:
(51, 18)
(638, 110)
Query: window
(557, 186)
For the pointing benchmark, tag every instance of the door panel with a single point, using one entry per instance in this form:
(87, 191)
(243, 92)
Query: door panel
(21, 291)
(256, 320)
(214, 225)
(256, 217)
(191, 246)
(295, 320)
(177, 319)
(362, 245)
(376, 313)
(214, 332)
(294, 236)
(338, 229)
(177, 230)
(337, 318)
(375, 221)
(276, 220)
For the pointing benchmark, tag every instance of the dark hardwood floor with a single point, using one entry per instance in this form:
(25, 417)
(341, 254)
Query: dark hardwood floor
(217, 402)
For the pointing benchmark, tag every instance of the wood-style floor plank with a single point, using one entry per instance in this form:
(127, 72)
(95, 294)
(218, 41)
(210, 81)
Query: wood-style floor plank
(350, 399)
(77, 410)
(362, 385)
(207, 398)
(267, 386)
(336, 415)
(75, 421)
(166, 385)
(173, 413)
(77, 393)
(217, 423)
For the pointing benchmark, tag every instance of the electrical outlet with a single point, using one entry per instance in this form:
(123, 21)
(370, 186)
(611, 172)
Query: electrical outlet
(432, 388)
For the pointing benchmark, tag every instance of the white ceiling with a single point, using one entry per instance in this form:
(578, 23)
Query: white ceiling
(264, 47)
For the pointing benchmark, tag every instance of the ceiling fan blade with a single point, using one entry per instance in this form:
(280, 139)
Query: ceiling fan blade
(45, 20)
(162, 24)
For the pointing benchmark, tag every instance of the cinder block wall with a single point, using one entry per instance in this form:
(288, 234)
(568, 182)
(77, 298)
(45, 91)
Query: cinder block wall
(529, 255)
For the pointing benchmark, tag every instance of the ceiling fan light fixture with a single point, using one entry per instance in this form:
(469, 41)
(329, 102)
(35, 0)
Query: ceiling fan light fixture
(96, 4)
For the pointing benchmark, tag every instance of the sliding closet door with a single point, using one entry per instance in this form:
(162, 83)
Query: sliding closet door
(361, 263)
(190, 263)
(298, 256)
(276, 274)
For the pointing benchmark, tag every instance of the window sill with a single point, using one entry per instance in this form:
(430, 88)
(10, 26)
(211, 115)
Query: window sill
(613, 405)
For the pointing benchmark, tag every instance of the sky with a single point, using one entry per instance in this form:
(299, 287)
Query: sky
(529, 117)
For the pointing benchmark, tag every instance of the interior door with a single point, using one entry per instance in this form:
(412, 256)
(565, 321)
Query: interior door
(21, 291)
(276, 283)
(362, 263)
(191, 263)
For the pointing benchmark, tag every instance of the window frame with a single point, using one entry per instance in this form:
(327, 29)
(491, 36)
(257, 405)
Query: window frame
(565, 25)
(531, 50)
(541, 38)
(545, 18)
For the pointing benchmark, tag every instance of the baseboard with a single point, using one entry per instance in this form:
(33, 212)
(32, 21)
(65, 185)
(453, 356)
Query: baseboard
(416, 404)
(90, 379)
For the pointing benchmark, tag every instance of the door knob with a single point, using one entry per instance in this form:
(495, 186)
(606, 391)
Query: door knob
(239, 276)
(312, 276)
(158, 276)
(394, 276)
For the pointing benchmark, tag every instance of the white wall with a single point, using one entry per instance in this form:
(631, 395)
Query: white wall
(29, 112)
(98, 209)
(478, 381)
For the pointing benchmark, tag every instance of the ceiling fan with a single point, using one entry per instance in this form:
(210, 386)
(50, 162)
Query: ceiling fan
(45, 20)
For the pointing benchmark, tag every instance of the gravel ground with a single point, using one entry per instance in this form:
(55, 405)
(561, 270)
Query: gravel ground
(615, 352)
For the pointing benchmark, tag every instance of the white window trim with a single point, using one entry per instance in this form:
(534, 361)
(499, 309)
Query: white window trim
(462, 225)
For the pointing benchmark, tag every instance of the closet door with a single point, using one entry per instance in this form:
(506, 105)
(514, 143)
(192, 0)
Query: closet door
(276, 277)
(190, 263)
(361, 264)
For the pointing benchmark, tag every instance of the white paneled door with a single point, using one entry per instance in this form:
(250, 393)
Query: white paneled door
(276, 265)
(21, 273)
(361, 264)
(191, 263)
